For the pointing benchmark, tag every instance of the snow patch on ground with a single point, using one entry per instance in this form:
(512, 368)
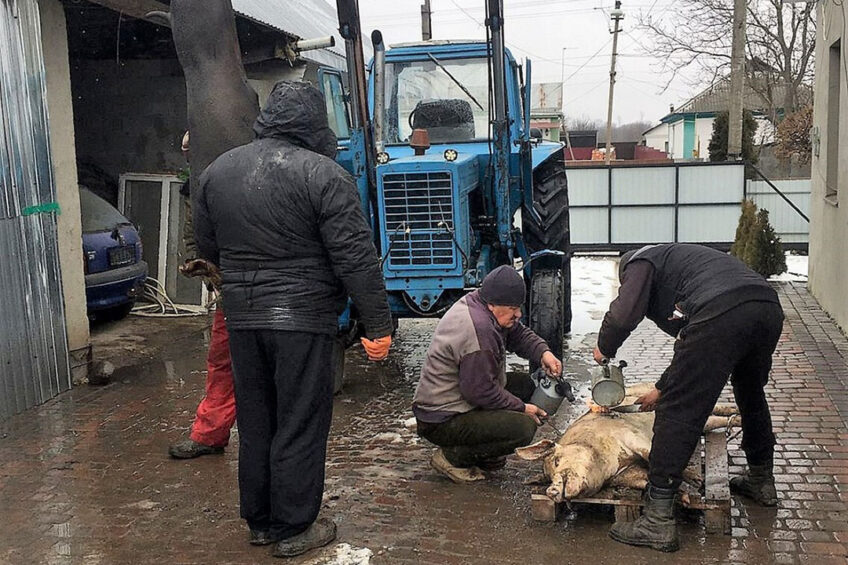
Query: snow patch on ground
(389, 437)
(345, 555)
(796, 269)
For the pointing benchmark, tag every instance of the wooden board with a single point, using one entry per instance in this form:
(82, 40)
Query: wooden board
(716, 483)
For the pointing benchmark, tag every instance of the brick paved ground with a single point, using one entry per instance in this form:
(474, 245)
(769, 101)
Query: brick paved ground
(85, 478)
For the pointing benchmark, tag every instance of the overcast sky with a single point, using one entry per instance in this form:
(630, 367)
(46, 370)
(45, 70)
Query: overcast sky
(539, 30)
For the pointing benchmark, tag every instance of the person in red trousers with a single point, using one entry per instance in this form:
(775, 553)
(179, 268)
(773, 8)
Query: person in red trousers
(216, 413)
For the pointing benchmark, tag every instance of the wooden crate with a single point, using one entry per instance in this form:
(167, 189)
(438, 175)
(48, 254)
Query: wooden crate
(713, 498)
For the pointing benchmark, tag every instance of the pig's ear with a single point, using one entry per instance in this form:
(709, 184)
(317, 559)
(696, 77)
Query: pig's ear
(536, 451)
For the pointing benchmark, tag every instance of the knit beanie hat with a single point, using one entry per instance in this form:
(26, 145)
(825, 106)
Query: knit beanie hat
(503, 287)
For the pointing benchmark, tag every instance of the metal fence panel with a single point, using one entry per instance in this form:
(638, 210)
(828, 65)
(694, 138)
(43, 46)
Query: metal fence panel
(708, 224)
(588, 187)
(589, 225)
(34, 362)
(643, 225)
(705, 184)
(662, 203)
(788, 224)
(647, 185)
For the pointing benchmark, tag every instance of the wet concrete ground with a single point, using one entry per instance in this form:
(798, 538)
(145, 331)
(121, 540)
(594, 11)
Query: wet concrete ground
(86, 478)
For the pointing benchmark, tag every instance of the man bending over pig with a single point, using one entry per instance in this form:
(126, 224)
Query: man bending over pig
(465, 403)
(727, 321)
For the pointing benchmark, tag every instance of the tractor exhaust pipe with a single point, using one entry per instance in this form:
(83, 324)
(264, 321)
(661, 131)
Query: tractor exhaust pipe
(316, 43)
(495, 24)
(379, 88)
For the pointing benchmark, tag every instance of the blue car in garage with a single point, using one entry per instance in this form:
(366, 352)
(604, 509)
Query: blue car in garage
(114, 271)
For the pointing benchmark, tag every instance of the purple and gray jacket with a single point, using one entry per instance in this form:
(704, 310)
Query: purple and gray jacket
(465, 368)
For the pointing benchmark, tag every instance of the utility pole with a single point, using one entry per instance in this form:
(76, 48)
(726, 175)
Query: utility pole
(426, 21)
(737, 81)
(562, 110)
(617, 15)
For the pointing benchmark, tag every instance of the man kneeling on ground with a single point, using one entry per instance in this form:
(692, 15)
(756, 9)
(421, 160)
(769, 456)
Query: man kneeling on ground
(465, 403)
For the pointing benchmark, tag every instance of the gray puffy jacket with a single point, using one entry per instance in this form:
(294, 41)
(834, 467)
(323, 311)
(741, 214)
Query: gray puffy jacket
(284, 223)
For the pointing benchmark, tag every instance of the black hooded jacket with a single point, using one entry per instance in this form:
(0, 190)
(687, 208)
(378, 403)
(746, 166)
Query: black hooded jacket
(284, 223)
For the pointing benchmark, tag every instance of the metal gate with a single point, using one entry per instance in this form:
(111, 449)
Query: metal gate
(620, 207)
(33, 343)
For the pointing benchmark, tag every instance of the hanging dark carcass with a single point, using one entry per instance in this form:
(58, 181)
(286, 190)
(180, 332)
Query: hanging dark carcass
(606, 449)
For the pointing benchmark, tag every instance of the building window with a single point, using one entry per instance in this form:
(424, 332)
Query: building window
(834, 88)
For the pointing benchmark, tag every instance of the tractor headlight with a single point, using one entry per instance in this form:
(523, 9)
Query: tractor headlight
(382, 158)
(451, 154)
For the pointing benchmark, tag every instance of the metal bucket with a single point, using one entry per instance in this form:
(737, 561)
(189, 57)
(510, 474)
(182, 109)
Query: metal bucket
(608, 385)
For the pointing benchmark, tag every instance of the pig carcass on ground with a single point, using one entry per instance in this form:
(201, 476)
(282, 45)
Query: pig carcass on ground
(601, 449)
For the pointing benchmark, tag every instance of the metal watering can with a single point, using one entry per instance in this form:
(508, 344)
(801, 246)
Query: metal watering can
(608, 384)
(550, 391)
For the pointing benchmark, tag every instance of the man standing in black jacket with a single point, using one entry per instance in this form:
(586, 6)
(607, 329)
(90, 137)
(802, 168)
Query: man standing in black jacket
(727, 321)
(285, 225)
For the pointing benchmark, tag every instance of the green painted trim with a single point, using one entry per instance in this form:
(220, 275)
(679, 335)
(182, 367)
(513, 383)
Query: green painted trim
(47, 208)
(688, 137)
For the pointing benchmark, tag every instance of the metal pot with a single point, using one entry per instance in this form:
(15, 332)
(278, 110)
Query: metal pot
(608, 384)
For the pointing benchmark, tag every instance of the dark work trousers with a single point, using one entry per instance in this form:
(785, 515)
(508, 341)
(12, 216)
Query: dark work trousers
(738, 343)
(284, 404)
(482, 435)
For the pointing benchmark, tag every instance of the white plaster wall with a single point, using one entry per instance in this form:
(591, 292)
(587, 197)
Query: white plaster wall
(675, 140)
(703, 133)
(828, 269)
(61, 131)
(657, 137)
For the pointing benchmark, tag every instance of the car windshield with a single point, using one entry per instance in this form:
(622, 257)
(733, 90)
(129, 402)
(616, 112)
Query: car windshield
(449, 98)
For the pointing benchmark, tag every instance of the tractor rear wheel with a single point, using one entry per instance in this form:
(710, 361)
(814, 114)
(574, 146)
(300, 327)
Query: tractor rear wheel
(550, 200)
(547, 296)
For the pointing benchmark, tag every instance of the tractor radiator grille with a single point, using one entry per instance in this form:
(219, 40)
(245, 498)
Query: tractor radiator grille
(423, 204)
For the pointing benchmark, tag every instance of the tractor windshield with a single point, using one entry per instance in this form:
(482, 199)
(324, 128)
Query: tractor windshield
(449, 98)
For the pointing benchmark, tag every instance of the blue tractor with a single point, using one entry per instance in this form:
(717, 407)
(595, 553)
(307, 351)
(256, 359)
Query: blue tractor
(437, 136)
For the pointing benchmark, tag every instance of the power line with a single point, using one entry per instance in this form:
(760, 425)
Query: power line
(589, 59)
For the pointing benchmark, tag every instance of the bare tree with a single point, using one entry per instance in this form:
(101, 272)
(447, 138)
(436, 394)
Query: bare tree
(780, 43)
(583, 123)
(629, 131)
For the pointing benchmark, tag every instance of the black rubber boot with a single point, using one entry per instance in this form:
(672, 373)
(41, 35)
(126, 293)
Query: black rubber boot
(320, 533)
(262, 537)
(757, 484)
(656, 527)
(189, 449)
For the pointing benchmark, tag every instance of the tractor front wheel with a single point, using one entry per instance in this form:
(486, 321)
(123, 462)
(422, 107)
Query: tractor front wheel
(547, 300)
(550, 201)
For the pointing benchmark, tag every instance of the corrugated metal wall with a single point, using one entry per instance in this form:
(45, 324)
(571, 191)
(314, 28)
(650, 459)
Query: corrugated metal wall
(788, 224)
(33, 344)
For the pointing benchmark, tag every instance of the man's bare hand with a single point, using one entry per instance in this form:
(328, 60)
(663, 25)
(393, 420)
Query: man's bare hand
(202, 268)
(536, 413)
(552, 365)
(600, 358)
(649, 400)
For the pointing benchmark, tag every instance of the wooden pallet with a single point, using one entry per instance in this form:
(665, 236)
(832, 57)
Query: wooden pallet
(713, 498)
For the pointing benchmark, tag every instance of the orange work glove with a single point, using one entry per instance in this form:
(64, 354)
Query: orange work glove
(377, 349)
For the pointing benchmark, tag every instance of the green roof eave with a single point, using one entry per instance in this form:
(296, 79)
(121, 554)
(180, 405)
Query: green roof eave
(678, 116)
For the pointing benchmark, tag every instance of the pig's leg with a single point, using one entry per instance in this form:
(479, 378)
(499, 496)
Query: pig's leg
(635, 477)
(719, 422)
(725, 410)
